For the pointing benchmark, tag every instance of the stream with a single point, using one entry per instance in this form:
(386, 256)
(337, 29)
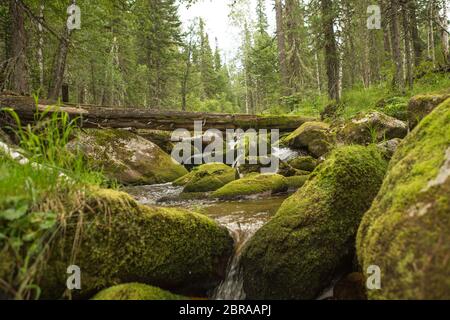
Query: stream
(242, 218)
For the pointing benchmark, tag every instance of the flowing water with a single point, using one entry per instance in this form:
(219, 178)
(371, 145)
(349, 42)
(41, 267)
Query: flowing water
(242, 218)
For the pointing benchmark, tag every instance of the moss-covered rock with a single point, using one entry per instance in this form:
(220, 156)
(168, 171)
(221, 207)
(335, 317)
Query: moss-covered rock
(312, 136)
(127, 157)
(296, 182)
(372, 127)
(351, 287)
(121, 241)
(296, 254)
(135, 292)
(162, 139)
(208, 177)
(396, 107)
(406, 232)
(304, 163)
(254, 164)
(253, 184)
(421, 105)
(388, 148)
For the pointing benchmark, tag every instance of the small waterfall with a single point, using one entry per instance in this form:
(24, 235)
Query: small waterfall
(232, 287)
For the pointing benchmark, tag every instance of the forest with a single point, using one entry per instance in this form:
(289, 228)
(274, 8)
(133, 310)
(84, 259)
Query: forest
(137, 53)
(347, 102)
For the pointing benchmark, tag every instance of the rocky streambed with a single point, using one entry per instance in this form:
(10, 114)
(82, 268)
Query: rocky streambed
(242, 218)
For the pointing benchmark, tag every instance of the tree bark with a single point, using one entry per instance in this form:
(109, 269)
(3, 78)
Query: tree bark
(59, 66)
(418, 44)
(407, 44)
(18, 62)
(331, 51)
(281, 38)
(444, 36)
(107, 117)
(398, 79)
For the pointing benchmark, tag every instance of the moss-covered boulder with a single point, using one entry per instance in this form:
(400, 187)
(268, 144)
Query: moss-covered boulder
(311, 136)
(136, 292)
(388, 148)
(118, 241)
(253, 184)
(296, 182)
(162, 139)
(406, 232)
(396, 107)
(351, 287)
(127, 157)
(297, 253)
(421, 105)
(208, 177)
(304, 163)
(372, 127)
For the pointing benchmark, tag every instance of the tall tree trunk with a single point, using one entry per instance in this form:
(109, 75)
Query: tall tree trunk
(318, 79)
(294, 22)
(385, 26)
(431, 44)
(444, 37)
(282, 47)
(59, 66)
(407, 43)
(398, 79)
(18, 63)
(41, 48)
(418, 45)
(331, 52)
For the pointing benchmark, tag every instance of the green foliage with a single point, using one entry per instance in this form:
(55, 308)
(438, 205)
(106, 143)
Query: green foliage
(295, 255)
(135, 291)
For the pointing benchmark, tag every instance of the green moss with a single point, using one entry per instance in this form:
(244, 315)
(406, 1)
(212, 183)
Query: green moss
(127, 157)
(406, 232)
(312, 136)
(122, 241)
(296, 182)
(295, 255)
(136, 291)
(208, 177)
(372, 127)
(421, 105)
(162, 139)
(304, 163)
(251, 185)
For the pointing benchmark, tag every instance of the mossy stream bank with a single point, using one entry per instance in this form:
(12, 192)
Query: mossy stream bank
(241, 217)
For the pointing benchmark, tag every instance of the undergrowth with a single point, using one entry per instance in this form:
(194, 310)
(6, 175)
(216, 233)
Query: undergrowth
(37, 197)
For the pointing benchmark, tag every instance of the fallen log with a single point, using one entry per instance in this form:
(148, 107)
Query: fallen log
(108, 117)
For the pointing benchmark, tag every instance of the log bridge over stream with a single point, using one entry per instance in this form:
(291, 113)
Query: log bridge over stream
(91, 116)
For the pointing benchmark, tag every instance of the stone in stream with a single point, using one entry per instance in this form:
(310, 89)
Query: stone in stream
(252, 185)
(207, 177)
(127, 157)
(297, 253)
(372, 127)
(312, 136)
(162, 139)
(136, 292)
(305, 163)
(118, 241)
(406, 232)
